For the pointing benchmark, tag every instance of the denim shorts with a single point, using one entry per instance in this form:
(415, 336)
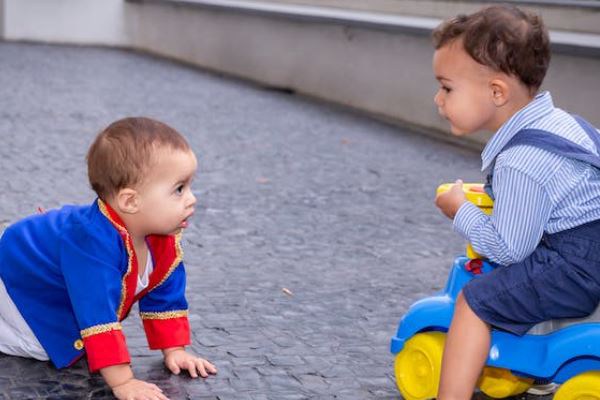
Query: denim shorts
(560, 279)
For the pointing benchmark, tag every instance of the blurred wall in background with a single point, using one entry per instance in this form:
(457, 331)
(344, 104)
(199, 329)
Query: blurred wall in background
(581, 15)
(100, 22)
(376, 60)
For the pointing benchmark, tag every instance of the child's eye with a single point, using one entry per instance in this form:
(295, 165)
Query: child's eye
(179, 189)
(446, 89)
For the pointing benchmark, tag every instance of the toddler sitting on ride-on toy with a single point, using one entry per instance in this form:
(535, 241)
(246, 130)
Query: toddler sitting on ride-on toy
(544, 177)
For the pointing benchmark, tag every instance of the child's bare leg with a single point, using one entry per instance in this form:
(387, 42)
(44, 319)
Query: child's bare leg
(466, 350)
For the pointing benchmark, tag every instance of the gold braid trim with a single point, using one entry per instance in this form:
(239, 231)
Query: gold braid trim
(103, 328)
(178, 258)
(123, 231)
(129, 269)
(164, 314)
(104, 210)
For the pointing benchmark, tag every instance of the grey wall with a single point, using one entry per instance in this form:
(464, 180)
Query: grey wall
(1, 19)
(376, 71)
(573, 15)
(382, 70)
(66, 21)
(378, 63)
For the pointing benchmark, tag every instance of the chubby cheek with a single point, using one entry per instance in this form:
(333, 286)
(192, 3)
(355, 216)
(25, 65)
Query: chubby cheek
(449, 113)
(165, 222)
(160, 211)
(460, 123)
(176, 213)
(460, 126)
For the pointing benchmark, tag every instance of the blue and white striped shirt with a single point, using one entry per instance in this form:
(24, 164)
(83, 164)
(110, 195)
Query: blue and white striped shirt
(535, 191)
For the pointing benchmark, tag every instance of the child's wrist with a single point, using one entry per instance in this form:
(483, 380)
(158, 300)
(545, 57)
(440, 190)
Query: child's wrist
(170, 350)
(117, 375)
(118, 385)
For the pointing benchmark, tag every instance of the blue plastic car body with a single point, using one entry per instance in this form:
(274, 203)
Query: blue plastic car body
(555, 356)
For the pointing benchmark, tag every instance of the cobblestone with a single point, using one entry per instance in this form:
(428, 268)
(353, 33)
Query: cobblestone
(331, 205)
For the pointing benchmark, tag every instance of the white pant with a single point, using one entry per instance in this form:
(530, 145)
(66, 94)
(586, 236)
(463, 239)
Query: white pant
(16, 338)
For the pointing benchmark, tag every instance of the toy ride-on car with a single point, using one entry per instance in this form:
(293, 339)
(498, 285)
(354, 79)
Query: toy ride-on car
(566, 352)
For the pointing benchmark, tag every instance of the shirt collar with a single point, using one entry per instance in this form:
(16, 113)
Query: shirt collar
(539, 107)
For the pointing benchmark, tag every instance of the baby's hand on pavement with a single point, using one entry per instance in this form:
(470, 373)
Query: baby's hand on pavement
(134, 389)
(450, 201)
(178, 359)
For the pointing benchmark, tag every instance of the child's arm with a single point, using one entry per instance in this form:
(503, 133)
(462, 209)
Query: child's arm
(522, 208)
(165, 317)
(125, 387)
(176, 359)
(94, 285)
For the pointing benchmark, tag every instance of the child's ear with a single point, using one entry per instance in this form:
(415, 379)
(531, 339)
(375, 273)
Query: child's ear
(128, 201)
(500, 91)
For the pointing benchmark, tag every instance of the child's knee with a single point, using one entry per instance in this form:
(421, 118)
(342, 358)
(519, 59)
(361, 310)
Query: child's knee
(462, 309)
(461, 302)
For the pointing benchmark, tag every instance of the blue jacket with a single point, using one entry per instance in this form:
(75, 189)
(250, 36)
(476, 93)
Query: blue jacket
(72, 273)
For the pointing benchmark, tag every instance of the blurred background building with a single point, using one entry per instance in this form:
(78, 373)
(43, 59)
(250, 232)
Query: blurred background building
(371, 55)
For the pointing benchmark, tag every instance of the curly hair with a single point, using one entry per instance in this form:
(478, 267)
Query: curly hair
(503, 38)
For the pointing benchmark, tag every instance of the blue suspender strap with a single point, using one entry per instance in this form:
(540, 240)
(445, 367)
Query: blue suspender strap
(548, 141)
(555, 144)
(590, 130)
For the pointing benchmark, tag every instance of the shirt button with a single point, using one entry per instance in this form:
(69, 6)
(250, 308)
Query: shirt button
(78, 344)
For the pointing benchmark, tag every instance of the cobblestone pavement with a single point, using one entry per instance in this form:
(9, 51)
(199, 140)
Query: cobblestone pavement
(330, 205)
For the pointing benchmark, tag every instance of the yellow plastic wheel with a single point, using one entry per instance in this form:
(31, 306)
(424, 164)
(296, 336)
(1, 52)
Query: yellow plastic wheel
(584, 386)
(418, 366)
(499, 383)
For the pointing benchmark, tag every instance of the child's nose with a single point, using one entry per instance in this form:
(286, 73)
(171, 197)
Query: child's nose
(192, 200)
(437, 99)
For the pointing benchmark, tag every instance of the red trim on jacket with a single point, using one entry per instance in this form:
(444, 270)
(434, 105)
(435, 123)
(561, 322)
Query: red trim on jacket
(129, 283)
(165, 249)
(96, 347)
(165, 333)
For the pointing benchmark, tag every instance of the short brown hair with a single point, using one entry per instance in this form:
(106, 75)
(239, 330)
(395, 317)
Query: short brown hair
(504, 38)
(124, 151)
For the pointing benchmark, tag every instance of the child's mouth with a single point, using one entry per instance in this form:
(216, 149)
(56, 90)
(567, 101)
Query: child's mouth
(185, 223)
